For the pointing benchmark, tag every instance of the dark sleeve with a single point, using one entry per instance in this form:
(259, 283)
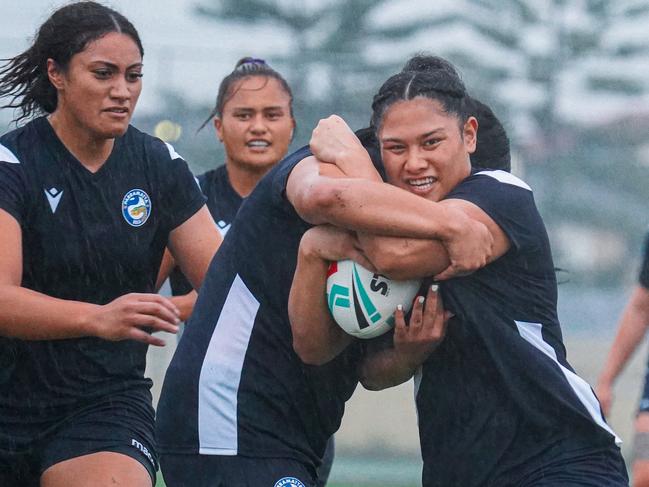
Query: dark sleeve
(644, 271)
(509, 202)
(280, 176)
(13, 190)
(180, 195)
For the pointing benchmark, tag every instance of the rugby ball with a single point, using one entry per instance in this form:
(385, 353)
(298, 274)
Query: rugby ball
(362, 302)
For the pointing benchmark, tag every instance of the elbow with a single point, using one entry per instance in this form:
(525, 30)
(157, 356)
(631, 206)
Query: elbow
(388, 264)
(307, 349)
(318, 200)
(371, 383)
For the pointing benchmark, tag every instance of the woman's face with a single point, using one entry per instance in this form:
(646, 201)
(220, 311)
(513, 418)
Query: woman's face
(256, 125)
(424, 149)
(100, 88)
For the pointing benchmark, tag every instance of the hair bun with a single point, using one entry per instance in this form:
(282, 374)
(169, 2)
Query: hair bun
(249, 60)
(423, 63)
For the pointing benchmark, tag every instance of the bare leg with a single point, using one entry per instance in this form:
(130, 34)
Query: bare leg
(103, 469)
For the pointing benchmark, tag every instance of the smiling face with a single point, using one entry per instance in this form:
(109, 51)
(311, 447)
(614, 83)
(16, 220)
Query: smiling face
(424, 149)
(99, 89)
(256, 125)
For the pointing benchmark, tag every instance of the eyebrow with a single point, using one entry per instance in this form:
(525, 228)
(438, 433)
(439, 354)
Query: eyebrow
(248, 109)
(423, 136)
(115, 66)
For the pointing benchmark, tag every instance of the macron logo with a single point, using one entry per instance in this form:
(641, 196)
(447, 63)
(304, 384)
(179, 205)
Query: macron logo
(143, 449)
(53, 197)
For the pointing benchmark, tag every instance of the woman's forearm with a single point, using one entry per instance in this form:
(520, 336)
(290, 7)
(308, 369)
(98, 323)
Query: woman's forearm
(30, 315)
(632, 328)
(316, 337)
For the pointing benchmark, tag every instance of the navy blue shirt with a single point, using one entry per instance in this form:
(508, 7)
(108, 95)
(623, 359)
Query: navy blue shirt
(235, 385)
(88, 237)
(498, 395)
(223, 202)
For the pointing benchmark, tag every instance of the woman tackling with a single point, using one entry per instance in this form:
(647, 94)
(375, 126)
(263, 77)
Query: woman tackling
(238, 406)
(497, 402)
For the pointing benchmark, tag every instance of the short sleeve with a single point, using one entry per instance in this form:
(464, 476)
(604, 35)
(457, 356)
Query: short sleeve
(12, 185)
(644, 270)
(508, 201)
(180, 196)
(280, 177)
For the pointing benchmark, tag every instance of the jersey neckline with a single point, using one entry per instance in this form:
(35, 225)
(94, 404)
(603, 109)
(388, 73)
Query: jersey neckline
(68, 158)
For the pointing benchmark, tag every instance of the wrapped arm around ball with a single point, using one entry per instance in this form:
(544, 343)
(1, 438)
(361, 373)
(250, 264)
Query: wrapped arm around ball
(321, 193)
(316, 337)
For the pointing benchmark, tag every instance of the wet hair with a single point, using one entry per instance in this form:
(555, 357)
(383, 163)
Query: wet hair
(492, 149)
(67, 32)
(436, 78)
(245, 68)
(423, 76)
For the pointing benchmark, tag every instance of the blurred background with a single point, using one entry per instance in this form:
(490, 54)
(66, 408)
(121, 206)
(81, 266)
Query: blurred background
(568, 78)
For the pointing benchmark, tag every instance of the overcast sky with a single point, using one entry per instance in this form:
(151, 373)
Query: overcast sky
(182, 50)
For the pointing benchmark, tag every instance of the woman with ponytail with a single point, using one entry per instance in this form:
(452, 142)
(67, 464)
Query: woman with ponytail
(253, 119)
(87, 205)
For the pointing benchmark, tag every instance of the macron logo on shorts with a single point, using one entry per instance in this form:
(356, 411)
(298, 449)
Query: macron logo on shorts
(143, 449)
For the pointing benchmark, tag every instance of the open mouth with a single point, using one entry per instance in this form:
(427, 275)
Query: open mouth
(258, 144)
(421, 184)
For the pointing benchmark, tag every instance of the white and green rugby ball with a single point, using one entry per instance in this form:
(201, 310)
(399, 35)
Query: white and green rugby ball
(362, 302)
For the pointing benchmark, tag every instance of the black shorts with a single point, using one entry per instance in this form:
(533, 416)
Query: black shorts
(234, 471)
(594, 468)
(122, 423)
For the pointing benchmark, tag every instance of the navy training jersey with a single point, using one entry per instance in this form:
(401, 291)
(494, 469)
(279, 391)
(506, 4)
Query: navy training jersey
(88, 237)
(498, 393)
(644, 271)
(235, 386)
(223, 202)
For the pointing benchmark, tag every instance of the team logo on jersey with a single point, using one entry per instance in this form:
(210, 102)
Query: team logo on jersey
(53, 197)
(289, 481)
(136, 207)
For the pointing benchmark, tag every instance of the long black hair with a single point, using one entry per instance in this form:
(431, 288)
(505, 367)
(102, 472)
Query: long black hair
(24, 79)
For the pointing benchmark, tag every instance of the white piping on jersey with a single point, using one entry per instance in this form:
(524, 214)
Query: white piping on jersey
(7, 156)
(532, 333)
(419, 373)
(172, 152)
(507, 178)
(221, 372)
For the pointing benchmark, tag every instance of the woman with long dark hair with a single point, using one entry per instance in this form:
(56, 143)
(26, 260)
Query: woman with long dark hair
(87, 205)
